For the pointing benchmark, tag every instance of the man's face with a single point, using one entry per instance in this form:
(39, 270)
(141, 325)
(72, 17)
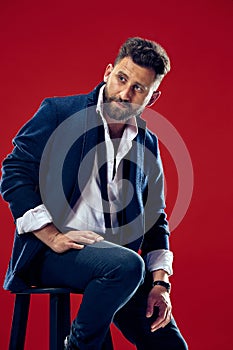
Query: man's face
(129, 88)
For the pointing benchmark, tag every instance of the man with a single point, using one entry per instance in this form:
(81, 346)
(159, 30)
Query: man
(85, 186)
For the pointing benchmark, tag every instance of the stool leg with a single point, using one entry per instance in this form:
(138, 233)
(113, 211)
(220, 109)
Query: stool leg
(59, 320)
(19, 322)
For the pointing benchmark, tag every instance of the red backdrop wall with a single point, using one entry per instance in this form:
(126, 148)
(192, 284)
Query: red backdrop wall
(62, 47)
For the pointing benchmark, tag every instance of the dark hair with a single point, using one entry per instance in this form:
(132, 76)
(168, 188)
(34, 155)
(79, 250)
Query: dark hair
(146, 53)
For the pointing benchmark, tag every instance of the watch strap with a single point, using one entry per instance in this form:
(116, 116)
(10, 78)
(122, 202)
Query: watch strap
(167, 285)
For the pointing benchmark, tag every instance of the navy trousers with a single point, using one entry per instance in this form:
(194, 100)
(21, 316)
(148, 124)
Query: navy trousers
(115, 289)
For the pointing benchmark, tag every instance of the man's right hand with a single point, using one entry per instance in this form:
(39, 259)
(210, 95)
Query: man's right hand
(61, 242)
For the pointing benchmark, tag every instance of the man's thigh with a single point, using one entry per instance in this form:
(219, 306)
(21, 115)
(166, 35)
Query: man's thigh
(135, 326)
(76, 268)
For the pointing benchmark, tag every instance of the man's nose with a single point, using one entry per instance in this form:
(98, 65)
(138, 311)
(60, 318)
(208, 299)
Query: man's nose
(126, 94)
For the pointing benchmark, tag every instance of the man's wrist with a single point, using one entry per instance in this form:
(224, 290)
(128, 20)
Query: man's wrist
(164, 284)
(160, 275)
(47, 234)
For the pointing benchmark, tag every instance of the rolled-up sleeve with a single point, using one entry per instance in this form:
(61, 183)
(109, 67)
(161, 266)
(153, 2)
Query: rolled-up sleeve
(33, 219)
(160, 259)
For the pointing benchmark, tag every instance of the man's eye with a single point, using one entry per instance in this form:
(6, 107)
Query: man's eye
(121, 78)
(138, 88)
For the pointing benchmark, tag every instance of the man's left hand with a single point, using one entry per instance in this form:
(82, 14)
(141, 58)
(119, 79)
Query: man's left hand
(159, 297)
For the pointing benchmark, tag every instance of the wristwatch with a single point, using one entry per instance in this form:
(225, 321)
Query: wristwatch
(167, 285)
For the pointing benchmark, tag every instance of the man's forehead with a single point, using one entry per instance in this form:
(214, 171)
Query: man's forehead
(145, 75)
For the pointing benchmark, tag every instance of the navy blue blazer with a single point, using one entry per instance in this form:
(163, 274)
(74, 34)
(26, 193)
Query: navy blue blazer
(46, 166)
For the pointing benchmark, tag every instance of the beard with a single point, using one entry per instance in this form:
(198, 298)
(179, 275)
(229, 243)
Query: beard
(118, 109)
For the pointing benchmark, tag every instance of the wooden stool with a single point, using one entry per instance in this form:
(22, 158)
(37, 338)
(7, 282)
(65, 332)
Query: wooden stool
(59, 318)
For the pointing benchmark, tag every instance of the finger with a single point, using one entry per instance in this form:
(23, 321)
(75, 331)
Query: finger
(99, 238)
(156, 325)
(168, 319)
(72, 245)
(93, 236)
(150, 308)
(80, 237)
(162, 324)
(160, 320)
(84, 240)
(87, 237)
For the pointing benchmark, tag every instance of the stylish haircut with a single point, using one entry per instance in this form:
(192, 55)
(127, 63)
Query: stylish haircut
(146, 53)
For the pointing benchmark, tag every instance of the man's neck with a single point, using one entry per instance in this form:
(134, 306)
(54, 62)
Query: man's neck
(116, 128)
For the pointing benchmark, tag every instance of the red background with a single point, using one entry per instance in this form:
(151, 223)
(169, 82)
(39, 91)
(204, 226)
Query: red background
(57, 48)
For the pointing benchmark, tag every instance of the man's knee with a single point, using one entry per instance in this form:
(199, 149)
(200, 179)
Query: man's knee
(131, 268)
(172, 336)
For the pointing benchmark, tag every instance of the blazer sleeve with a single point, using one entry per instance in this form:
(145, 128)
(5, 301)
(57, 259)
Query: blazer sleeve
(20, 169)
(156, 224)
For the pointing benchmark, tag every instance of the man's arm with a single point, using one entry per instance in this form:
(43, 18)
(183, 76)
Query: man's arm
(156, 239)
(20, 171)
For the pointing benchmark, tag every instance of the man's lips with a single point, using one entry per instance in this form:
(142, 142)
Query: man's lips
(121, 105)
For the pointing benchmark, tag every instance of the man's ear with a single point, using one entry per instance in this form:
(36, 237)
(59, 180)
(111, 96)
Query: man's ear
(107, 72)
(154, 97)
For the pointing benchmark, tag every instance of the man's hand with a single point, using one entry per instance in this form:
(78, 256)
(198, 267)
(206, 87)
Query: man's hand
(159, 297)
(73, 240)
(60, 242)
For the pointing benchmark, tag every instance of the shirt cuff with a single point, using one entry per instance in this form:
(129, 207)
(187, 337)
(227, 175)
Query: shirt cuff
(160, 259)
(33, 219)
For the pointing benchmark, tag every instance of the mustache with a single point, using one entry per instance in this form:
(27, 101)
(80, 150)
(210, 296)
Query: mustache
(118, 99)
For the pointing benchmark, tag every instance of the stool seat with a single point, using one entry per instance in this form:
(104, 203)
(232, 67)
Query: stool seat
(59, 317)
(38, 290)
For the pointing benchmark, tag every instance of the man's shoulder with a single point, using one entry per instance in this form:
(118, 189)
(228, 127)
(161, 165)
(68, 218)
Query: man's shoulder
(67, 99)
(69, 103)
(151, 142)
(151, 138)
(75, 102)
